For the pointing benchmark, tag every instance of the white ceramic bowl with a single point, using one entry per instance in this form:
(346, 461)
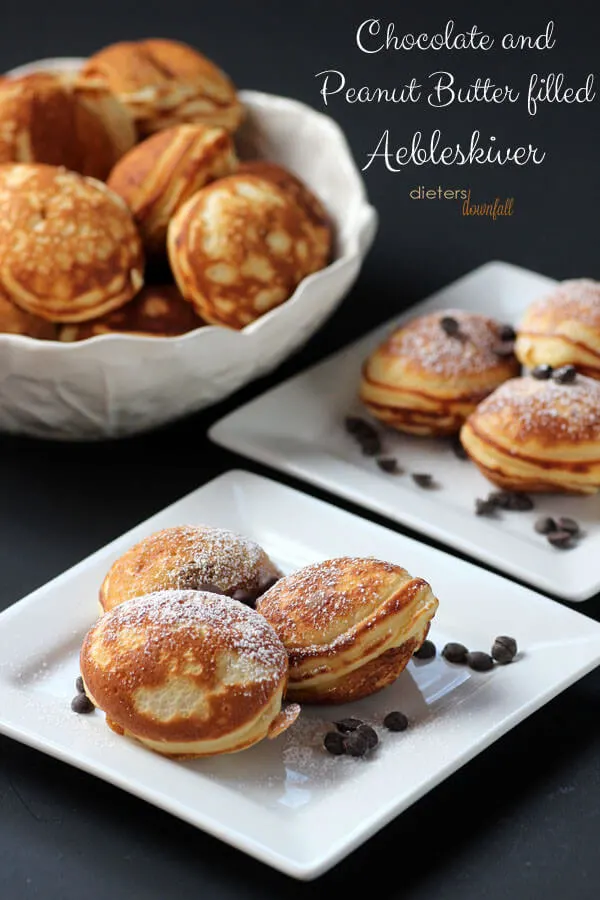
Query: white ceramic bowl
(117, 385)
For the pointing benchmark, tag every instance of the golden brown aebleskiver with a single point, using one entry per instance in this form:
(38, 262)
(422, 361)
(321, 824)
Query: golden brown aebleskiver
(190, 557)
(187, 673)
(304, 197)
(69, 249)
(563, 328)
(538, 435)
(239, 247)
(158, 175)
(157, 311)
(14, 320)
(164, 83)
(426, 378)
(47, 118)
(349, 625)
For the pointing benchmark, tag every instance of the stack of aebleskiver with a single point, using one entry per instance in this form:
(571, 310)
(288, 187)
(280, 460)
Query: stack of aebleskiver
(202, 639)
(126, 174)
(455, 371)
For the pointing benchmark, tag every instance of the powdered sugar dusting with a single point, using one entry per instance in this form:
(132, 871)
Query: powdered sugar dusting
(181, 617)
(567, 411)
(425, 342)
(577, 299)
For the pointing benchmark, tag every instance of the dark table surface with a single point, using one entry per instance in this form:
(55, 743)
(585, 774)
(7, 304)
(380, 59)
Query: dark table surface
(523, 819)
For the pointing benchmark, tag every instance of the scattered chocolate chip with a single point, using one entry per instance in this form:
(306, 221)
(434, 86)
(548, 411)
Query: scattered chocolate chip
(370, 734)
(370, 446)
(423, 479)
(545, 524)
(563, 540)
(79, 685)
(455, 653)
(244, 596)
(359, 427)
(347, 725)
(507, 333)
(334, 743)
(450, 326)
(504, 649)
(426, 651)
(512, 501)
(565, 375)
(566, 524)
(458, 449)
(356, 743)
(389, 464)
(542, 373)
(479, 661)
(485, 507)
(504, 349)
(81, 704)
(396, 721)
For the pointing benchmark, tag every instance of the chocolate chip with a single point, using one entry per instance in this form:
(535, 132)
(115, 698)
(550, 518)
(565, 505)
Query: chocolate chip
(426, 651)
(542, 373)
(479, 661)
(370, 734)
(334, 743)
(563, 540)
(565, 375)
(244, 596)
(504, 349)
(79, 685)
(370, 446)
(507, 333)
(566, 524)
(504, 649)
(423, 479)
(458, 449)
(450, 326)
(356, 744)
(81, 704)
(455, 653)
(512, 501)
(347, 725)
(396, 721)
(359, 427)
(485, 507)
(389, 464)
(545, 524)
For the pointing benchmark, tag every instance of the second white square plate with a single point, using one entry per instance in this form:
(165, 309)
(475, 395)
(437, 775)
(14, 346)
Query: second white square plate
(298, 428)
(286, 801)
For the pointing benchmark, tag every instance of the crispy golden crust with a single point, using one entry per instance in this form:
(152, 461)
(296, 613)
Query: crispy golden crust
(349, 626)
(302, 194)
(563, 328)
(187, 673)
(48, 118)
(14, 320)
(239, 247)
(533, 435)
(157, 176)
(164, 83)
(189, 557)
(69, 249)
(157, 311)
(426, 382)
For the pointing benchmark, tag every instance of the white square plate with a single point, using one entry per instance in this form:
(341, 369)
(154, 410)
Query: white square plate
(298, 427)
(287, 802)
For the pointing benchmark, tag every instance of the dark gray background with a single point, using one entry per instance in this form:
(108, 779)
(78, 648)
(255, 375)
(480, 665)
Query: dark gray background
(523, 819)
